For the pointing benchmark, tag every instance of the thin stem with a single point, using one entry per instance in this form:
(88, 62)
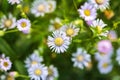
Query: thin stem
(11, 31)
(75, 4)
(23, 76)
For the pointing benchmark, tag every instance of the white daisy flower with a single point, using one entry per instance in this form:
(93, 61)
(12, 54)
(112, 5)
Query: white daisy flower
(52, 5)
(98, 24)
(81, 58)
(39, 8)
(55, 24)
(52, 73)
(23, 24)
(14, 1)
(5, 64)
(100, 4)
(38, 72)
(33, 59)
(87, 12)
(118, 56)
(8, 22)
(105, 66)
(70, 30)
(59, 42)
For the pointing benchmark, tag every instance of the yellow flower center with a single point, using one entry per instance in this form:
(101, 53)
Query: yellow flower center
(80, 58)
(5, 64)
(34, 62)
(105, 65)
(99, 2)
(8, 23)
(50, 7)
(99, 29)
(87, 12)
(70, 32)
(56, 25)
(50, 72)
(58, 41)
(23, 24)
(38, 72)
(41, 8)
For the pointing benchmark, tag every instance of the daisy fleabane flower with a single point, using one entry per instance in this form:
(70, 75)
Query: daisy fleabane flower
(81, 58)
(59, 42)
(14, 1)
(23, 25)
(70, 30)
(8, 22)
(39, 8)
(52, 73)
(33, 59)
(51, 5)
(38, 72)
(100, 4)
(87, 12)
(105, 66)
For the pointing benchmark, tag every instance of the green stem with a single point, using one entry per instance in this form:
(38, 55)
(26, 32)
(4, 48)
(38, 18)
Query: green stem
(11, 31)
(23, 76)
(75, 4)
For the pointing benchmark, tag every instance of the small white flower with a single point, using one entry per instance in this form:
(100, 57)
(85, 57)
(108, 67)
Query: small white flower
(59, 42)
(87, 12)
(55, 24)
(105, 66)
(112, 35)
(23, 24)
(52, 5)
(81, 58)
(5, 64)
(52, 73)
(14, 1)
(100, 4)
(39, 8)
(118, 56)
(8, 22)
(38, 72)
(70, 30)
(32, 60)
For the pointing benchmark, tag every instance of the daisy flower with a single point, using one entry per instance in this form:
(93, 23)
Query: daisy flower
(98, 24)
(39, 8)
(55, 24)
(100, 4)
(32, 60)
(52, 73)
(52, 5)
(14, 1)
(104, 46)
(23, 25)
(59, 42)
(38, 72)
(8, 22)
(118, 56)
(87, 12)
(105, 66)
(5, 64)
(70, 30)
(112, 35)
(81, 58)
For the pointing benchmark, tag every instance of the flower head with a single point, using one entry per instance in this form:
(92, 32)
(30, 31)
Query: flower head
(14, 1)
(81, 58)
(51, 5)
(87, 12)
(59, 42)
(112, 35)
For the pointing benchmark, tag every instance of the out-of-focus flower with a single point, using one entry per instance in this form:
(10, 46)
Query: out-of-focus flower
(8, 22)
(39, 8)
(5, 64)
(105, 66)
(81, 58)
(87, 12)
(89, 66)
(109, 14)
(104, 46)
(112, 36)
(52, 73)
(33, 60)
(51, 5)
(98, 24)
(55, 24)
(89, 23)
(38, 72)
(70, 30)
(2, 77)
(100, 4)
(59, 42)
(14, 1)
(23, 25)
(118, 56)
